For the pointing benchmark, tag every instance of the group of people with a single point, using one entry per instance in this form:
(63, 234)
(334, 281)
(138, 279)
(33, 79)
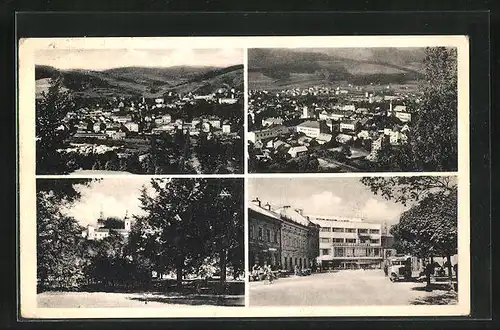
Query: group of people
(262, 272)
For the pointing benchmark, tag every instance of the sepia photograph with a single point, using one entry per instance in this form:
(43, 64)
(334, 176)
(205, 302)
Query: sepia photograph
(367, 241)
(373, 109)
(139, 111)
(139, 243)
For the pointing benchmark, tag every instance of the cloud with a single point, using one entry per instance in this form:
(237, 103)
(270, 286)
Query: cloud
(376, 210)
(93, 59)
(321, 203)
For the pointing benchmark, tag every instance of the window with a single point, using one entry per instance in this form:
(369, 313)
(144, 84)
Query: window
(350, 240)
(338, 240)
(260, 233)
(375, 241)
(268, 235)
(338, 230)
(350, 230)
(374, 231)
(363, 231)
(326, 229)
(275, 236)
(339, 252)
(325, 240)
(252, 230)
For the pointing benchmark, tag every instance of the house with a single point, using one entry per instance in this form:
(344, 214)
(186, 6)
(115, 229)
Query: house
(403, 116)
(131, 126)
(323, 138)
(206, 127)
(297, 151)
(400, 108)
(348, 107)
(226, 128)
(215, 122)
(349, 125)
(267, 133)
(307, 113)
(343, 138)
(272, 121)
(116, 134)
(98, 126)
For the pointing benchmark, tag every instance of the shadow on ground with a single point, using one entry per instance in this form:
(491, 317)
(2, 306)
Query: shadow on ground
(433, 287)
(443, 298)
(195, 300)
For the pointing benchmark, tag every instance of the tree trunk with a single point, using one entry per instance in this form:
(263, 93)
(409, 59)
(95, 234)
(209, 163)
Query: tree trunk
(448, 258)
(222, 264)
(178, 268)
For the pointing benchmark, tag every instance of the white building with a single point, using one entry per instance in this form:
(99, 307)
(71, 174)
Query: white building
(403, 116)
(297, 151)
(348, 243)
(99, 232)
(226, 128)
(131, 126)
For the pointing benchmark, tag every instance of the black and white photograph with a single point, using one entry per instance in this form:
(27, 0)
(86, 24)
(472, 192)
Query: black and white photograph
(139, 111)
(345, 241)
(373, 109)
(139, 243)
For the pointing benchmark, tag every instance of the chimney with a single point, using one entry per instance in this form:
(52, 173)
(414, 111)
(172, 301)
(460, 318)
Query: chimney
(268, 206)
(256, 201)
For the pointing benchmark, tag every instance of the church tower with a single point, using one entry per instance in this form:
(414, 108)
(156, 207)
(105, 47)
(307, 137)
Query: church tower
(126, 221)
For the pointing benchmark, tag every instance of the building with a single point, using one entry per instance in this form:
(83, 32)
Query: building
(312, 128)
(349, 126)
(297, 237)
(348, 243)
(272, 121)
(226, 128)
(297, 151)
(264, 235)
(403, 116)
(99, 232)
(282, 238)
(267, 133)
(131, 126)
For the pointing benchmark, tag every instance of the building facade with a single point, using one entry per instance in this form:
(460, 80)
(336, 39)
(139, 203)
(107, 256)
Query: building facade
(264, 235)
(283, 238)
(348, 243)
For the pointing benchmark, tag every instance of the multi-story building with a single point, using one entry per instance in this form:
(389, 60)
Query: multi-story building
(348, 242)
(267, 133)
(283, 238)
(264, 235)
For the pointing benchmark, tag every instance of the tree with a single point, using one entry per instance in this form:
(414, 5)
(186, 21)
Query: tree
(429, 228)
(223, 210)
(51, 133)
(59, 261)
(407, 189)
(170, 235)
(433, 145)
(113, 223)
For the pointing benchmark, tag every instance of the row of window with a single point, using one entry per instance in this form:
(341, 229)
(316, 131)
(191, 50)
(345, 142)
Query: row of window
(348, 240)
(349, 230)
(264, 235)
(352, 252)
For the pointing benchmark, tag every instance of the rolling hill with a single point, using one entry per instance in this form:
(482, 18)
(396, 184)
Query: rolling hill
(285, 68)
(141, 81)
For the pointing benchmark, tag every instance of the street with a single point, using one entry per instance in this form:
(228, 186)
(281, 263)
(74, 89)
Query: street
(149, 299)
(342, 288)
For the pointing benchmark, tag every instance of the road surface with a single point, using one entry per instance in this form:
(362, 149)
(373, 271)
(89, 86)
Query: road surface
(342, 288)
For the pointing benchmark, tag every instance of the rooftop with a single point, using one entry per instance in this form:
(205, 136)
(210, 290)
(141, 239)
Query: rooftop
(310, 124)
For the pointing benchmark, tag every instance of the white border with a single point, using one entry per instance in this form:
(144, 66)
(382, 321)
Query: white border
(27, 221)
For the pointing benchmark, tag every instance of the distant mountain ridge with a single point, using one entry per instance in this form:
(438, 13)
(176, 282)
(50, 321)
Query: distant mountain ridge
(141, 81)
(290, 67)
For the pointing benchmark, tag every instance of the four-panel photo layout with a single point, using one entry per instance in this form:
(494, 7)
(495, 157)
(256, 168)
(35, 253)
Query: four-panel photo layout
(275, 177)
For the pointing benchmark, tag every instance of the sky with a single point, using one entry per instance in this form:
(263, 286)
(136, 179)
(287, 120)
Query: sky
(114, 196)
(346, 197)
(102, 59)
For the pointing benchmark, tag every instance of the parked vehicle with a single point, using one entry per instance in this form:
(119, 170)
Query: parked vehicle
(400, 268)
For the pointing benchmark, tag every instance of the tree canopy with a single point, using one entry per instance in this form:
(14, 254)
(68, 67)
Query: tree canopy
(429, 228)
(51, 132)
